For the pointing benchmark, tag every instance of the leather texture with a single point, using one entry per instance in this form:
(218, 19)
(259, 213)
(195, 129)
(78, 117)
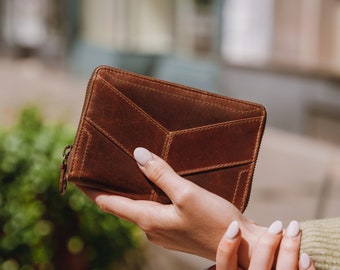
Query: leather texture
(207, 138)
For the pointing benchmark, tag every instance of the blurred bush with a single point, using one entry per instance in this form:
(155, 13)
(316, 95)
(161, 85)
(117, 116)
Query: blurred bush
(39, 229)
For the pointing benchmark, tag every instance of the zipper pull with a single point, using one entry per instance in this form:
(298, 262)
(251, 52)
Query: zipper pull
(63, 168)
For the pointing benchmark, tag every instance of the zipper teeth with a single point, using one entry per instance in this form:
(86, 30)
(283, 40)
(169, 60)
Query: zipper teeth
(85, 100)
(87, 92)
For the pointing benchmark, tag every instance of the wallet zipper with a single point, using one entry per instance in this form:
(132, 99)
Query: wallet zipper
(63, 169)
(67, 150)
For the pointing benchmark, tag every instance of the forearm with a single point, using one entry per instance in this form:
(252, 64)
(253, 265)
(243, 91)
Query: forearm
(321, 240)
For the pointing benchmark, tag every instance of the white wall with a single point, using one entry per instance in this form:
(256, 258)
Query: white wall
(141, 26)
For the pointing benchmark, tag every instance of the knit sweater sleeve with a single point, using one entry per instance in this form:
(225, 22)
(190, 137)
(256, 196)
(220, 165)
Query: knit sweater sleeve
(321, 241)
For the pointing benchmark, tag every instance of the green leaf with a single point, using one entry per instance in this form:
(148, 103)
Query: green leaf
(38, 227)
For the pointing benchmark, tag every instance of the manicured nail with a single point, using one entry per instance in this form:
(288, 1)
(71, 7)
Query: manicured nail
(305, 261)
(142, 156)
(293, 229)
(276, 227)
(233, 230)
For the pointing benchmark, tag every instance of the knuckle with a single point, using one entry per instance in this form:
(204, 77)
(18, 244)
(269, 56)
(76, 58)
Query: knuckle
(155, 239)
(224, 247)
(267, 243)
(157, 171)
(185, 195)
(147, 227)
(289, 246)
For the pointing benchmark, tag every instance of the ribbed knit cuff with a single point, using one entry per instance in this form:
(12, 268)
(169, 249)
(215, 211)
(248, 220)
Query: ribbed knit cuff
(321, 241)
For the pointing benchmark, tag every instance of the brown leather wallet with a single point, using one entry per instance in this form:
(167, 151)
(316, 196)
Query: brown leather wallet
(207, 138)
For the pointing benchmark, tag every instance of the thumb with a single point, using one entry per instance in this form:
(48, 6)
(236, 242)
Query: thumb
(159, 172)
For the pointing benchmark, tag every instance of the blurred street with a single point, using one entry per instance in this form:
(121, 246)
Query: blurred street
(29, 82)
(296, 177)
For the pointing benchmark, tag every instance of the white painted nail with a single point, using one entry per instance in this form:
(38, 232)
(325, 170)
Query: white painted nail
(293, 229)
(276, 227)
(142, 156)
(232, 230)
(305, 261)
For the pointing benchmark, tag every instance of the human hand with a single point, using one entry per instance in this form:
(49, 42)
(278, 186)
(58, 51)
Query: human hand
(272, 251)
(193, 223)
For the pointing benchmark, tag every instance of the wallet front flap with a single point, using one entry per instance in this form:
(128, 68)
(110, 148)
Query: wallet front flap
(177, 107)
(219, 141)
(218, 146)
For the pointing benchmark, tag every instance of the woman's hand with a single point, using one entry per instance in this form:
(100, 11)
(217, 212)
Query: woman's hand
(193, 223)
(272, 251)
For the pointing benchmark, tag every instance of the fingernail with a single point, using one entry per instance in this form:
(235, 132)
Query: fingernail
(276, 227)
(305, 261)
(233, 230)
(142, 156)
(293, 229)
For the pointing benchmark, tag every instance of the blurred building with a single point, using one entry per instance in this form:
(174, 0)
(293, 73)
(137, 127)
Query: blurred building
(41, 28)
(174, 40)
(284, 54)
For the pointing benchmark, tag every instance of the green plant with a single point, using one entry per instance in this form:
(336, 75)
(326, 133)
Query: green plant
(39, 229)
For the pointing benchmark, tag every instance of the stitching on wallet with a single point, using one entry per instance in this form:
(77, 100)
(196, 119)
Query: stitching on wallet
(169, 86)
(166, 148)
(81, 125)
(88, 141)
(219, 166)
(219, 125)
(258, 139)
(238, 185)
(117, 92)
(107, 135)
(186, 98)
(249, 177)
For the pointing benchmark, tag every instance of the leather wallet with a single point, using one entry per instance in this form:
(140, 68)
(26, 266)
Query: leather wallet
(209, 139)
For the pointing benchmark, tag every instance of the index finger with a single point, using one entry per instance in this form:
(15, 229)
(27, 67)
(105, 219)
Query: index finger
(117, 205)
(131, 210)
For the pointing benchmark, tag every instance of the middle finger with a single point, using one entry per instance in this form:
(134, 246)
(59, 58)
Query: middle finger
(264, 251)
(288, 257)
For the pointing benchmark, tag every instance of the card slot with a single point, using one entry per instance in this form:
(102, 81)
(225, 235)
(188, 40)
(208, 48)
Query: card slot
(166, 106)
(233, 144)
(198, 116)
(114, 74)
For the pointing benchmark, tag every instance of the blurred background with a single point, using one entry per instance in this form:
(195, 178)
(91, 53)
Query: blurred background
(284, 54)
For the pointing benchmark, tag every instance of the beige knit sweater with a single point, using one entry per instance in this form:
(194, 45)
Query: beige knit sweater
(321, 241)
